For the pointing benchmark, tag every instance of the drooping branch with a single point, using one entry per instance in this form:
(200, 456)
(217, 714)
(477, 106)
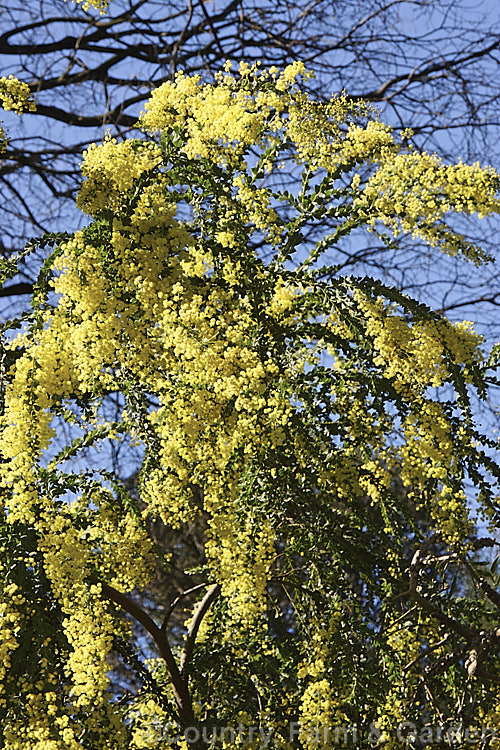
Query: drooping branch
(417, 561)
(479, 642)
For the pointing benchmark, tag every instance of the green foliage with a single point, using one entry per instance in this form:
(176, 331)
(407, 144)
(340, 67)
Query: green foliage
(314, 431)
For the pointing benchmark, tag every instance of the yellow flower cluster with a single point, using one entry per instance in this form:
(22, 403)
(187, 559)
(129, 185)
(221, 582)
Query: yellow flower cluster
(408, 192)
(148, 718)
(281, 301)
(191, 332)
(88, 626)
(255, 206)
(415, 355)
(101, 5)
(15, 95)
(404, 646)
(323, 141)
(45, 727)
(250, 551)
(412, 192)
(23, 439)
(108, 532)
(111, 170)
(10, 624)
(419, 448)
(429, 453)
(48, 719)
(211, 117)
(321, 707)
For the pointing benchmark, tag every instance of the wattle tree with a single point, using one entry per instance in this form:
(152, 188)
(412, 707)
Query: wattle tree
(317, 429)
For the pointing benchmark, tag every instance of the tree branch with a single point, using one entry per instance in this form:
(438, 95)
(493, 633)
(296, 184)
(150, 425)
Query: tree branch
(179, 684)
(198, 616)
(16, 290)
